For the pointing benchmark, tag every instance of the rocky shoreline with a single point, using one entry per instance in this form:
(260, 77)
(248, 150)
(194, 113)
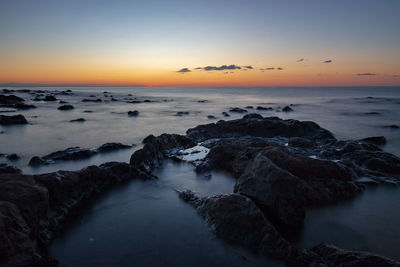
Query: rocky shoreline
(281, 168)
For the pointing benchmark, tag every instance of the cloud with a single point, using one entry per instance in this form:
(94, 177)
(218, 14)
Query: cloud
(272, 68)
(366, 74)
(222, 67)
(279, 68)
(184, 70)
(327, 61)
(300, 60)
(248, 67)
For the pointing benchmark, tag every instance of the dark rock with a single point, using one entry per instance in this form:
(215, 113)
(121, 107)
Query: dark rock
(10, 120)
(393, 126)
(133, 113)
(92, 100)
(78, 120)
(155, 149)
(23, 106)
(287, 109)
(249, 107)
(264, 108)
(376, 140)
(62, 102)
(150, 138)
(50, 98)
(238, 110)
(4, 168)
(263, 127)
(112, 147)
(237, 220)
(134, 101)
(301, 142)
(88, 111)
(211, 117)
(181, 113)
(36, 161)
(226, 114)
(202, 101)
(333, 256)
(10, 99)
(65, 107)
(13, 157)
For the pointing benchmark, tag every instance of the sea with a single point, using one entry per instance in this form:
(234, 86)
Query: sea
(144, 223)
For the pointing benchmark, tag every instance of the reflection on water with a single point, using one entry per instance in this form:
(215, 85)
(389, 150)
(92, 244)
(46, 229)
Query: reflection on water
(144, 223)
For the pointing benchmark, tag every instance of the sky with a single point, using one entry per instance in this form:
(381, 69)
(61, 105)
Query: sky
(200, 43)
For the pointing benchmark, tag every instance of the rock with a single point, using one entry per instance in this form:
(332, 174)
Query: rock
(211, 117)
(255, 125)
(238, 110)
(92, 100)
(13, 157)
(287, 109)
(264, 108)
(10, 99)
(133, 113)
(10, 120)
(112, 147)
(22, 106)
(226, 114)
(202, 101)
(88, 111)
(36, 161)
(301, 142)
(65, 107)
(237, 220)
(376, 140)
(155, 149)
(62, 102)
(249, 107)
(50, 98)
(78, 120)
(150, 138)
(334, 256)
(393, 126)
(181, 113)
(4, 168)
(72, 153)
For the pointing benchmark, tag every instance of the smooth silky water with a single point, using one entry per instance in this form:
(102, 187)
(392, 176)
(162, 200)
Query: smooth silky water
(145, 223)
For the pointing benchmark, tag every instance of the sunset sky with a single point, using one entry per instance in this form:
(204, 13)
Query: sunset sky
(201, 43)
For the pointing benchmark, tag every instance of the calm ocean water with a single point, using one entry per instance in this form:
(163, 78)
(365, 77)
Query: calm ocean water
(146, 224)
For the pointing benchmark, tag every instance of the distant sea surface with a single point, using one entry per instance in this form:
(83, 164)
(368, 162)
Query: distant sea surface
(369, 222)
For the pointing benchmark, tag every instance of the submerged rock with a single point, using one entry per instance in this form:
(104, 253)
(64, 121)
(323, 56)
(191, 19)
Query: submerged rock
(133, 113)
(10, 120)
(65, 107)
(238, 110)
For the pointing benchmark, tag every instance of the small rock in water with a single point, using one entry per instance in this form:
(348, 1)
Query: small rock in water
(287, 109)
(211, 117)
(182, 113)
(238, 110)
(78, 120)
(226, 114)
(63, 102)
(13, 157)
(50, 98)
(264, 108)
(249, 107)
(133, 113)
(10, 120)
(36, 161)
(65, 107)
(111, 147)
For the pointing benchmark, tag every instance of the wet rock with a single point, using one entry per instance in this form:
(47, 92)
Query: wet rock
(376, 140)
(65, 107)
(237, 110)
(62, 102)
(10, 120)
(255, 125)
(333, 256)
(134, 101)
(287, 109)
(50, 98)
(133, 113)
(264, 108)
(182, 113)
(13, 157)
(5, 168)
(92, 100)
(249, 107)
(78, 120)
(107, 147)
(155, 149)
(10, 99)
(301, 142)
(150, 138)
(36, 161)
(237, 220)
(226, 114)
(211, 117)
(23, 106)
(88, 111)
(202, 101)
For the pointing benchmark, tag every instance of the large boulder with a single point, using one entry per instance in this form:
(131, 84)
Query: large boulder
(10, 120)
